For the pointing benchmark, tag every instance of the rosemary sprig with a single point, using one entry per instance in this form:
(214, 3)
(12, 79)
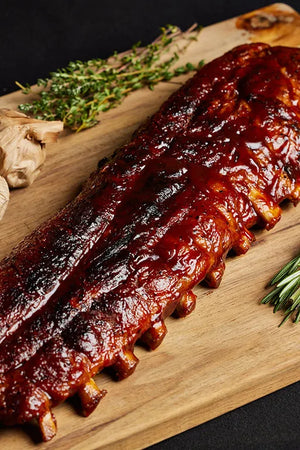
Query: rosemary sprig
(77, 93)
(286, 295)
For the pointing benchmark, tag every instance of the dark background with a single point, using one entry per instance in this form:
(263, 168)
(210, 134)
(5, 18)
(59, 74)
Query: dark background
(38, 37)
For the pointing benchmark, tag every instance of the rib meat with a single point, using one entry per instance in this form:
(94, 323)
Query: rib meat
(154, 220)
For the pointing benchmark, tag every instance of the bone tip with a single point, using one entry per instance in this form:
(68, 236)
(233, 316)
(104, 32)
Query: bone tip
(48, 427)
(90, 396)
(186, 305)
(154, 336)
(126, 364)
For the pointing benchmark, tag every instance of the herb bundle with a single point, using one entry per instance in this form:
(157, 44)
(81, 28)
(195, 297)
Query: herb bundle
(286, 295)
(77, 93)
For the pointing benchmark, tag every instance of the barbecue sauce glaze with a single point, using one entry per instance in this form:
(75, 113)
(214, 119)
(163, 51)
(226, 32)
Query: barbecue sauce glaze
(154, 220)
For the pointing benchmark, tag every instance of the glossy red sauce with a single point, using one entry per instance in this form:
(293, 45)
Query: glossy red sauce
(219, 157)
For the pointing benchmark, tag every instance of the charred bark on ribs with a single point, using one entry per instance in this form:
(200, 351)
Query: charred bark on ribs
(159, 217)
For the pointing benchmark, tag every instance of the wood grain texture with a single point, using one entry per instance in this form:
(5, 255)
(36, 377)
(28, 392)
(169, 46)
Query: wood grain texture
(224, 354)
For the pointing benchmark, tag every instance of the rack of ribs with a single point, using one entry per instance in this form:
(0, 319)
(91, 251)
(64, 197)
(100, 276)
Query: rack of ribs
(155, 219)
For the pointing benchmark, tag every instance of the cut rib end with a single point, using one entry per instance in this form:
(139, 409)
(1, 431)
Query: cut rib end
(154, 336)
(47, 424)
(90, 396)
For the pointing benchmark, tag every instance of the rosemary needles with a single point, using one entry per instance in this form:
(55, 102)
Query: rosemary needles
(286, 295)
(77, 93)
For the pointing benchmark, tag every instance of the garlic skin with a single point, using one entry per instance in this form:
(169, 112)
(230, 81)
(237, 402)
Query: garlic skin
(22, 150)
(4, 196)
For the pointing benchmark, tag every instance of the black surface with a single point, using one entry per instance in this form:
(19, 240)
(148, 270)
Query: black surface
(269, 423)
(37, 37)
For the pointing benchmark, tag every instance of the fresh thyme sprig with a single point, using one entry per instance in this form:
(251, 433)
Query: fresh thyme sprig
(286, 295)
(77, 93)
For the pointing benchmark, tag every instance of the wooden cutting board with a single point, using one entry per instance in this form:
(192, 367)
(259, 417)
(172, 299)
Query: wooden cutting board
(230, 350)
